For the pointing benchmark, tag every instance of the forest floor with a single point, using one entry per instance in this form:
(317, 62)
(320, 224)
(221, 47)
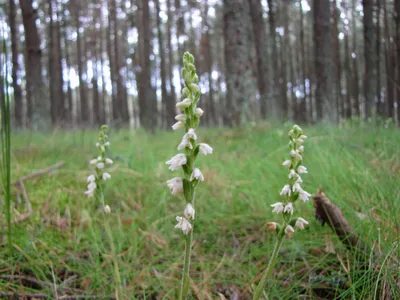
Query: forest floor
(62, 247)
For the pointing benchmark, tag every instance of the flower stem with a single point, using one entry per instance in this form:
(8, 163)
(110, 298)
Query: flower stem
(270, 267)
(186, 267)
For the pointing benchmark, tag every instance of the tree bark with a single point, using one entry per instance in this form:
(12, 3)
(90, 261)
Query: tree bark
(356, 89)
(369, 57)
(301, 116)
(337, 86)
(397, 21)
(390, 70)
(325, 104)
(37, 108)
(239, 59)
(19, 105)
(256, 11)
(170, 104)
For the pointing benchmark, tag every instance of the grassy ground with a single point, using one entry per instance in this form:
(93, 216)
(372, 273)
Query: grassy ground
(63, 244)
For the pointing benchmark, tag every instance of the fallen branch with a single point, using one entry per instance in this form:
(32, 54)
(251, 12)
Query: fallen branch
(327, 212)
(41, 172)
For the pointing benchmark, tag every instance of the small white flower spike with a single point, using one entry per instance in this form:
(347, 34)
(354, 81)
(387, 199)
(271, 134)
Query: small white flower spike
(300, 222)
(287, 163)
(197, 175)
(109, 161)
(205, 149)
(177, 161)
(278, 207)
(189, 211)
(285, 190)
(106, 176)
(289, 231)
(178, 125)
(100, 166)
(296, 155)
(184, 225)
(175, 185)
(107, 209)
(288, 208)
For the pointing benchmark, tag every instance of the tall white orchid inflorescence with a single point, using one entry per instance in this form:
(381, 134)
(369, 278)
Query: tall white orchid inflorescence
(95, 181)
(290, 193)
(188, 120)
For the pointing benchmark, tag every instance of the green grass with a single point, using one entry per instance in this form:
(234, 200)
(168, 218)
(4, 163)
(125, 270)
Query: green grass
(358, 168)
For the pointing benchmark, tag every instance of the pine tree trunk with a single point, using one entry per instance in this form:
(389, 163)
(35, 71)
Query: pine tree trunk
(326, 108)
(170, 103)
(389, 59)
(19, 105)
(356, 89)
(37, 102)
(397, 21)
(301, 115)
(256, 12)
(369, 57)
(337, 87)
(239, 59)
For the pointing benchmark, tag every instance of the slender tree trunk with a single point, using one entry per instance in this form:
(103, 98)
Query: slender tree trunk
(239, 59)
(356, 89)
(180, 28)
(103, 99)
(325, 104)
(379, 102)
(164, 95)
(112, 62)
(70, 112)
(256, 12)
(19, 106)
(389, 59)
(369, 57)
(349, 86)
(397, 21)
(337, 87)
(37, 108)
(170, 103)
(301, 115)
(147, 107)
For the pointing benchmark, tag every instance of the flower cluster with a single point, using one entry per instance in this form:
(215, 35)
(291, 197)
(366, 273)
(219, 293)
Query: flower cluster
(94, 180)
(188, 120)
(292, 191)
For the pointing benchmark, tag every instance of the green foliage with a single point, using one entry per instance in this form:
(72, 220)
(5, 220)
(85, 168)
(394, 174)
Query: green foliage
(358, 168)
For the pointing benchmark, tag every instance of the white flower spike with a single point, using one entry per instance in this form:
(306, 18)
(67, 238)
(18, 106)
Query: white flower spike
(178, 125)
(288, 208)
(285, 190)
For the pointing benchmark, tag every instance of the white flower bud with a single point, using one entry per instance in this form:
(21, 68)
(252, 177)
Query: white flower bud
(178, 125)
(278, 207)
(181, 118)
(289, 231)
(177, 161)
(183, 104)
(107, 209)
(184, 225)
(175, 185)
(300, 222)
(107, 144)
(304, 196)
(288, 208)
(296, 155)
(106, 176)
(287, 163)
(93, 161)
(109, 161)
(292, 174)
(185, 143)
(198, 112)
(285, 190)
(196, 174)
(205, 149)
(271, 226)
(100, 166)
(91, 178)
(189, 211)
(302, 170)
(190, 134)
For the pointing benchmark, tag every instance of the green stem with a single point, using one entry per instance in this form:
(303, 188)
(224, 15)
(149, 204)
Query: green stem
(186, 267)
(270, 267)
